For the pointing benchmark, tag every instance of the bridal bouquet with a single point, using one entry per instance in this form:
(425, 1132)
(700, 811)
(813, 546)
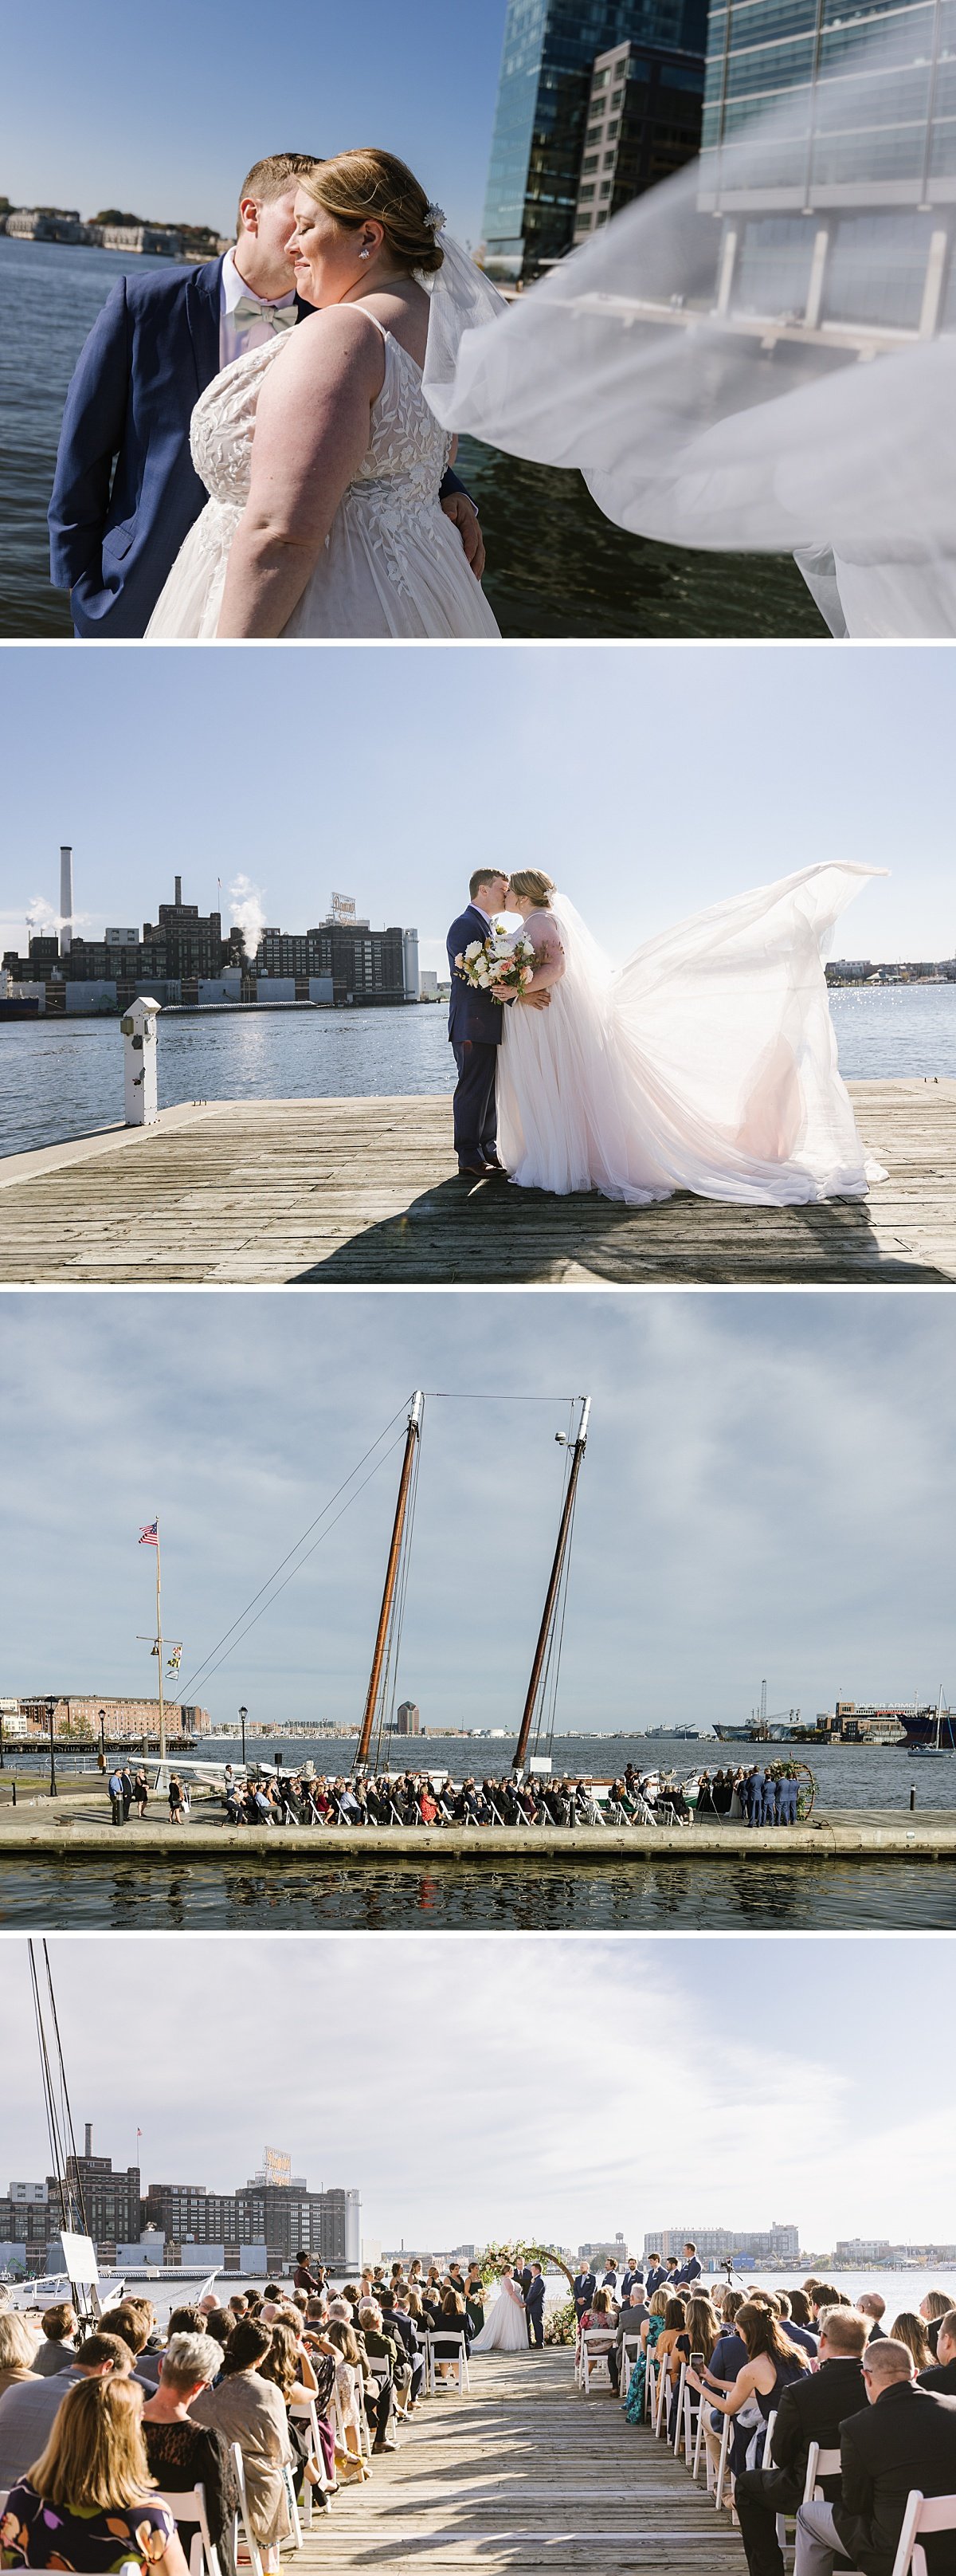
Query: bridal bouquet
(491, 967)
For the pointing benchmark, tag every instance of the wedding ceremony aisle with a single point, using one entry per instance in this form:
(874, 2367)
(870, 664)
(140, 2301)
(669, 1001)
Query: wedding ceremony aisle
(525, 2474)
(364, 1192)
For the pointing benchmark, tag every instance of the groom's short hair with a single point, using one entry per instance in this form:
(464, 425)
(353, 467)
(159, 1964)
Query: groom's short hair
(270, 178)
(483, 876)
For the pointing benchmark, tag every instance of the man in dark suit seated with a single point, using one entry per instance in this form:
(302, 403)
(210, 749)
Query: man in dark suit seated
(810, 2410)
(941, 2379)
(871, 2305)
(906, 2439)
(629, 2323)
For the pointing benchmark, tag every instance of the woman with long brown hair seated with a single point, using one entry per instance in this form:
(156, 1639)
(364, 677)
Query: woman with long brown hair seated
(89, 2502)
(772, 2361)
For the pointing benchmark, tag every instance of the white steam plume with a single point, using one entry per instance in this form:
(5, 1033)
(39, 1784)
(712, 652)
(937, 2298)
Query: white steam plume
(247, 912)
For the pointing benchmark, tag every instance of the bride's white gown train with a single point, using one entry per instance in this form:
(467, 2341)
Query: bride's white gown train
(393, 564)
(707, 1063)
(506, 2326)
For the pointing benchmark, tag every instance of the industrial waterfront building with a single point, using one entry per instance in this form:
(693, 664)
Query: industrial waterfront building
(597, 99)
(177, 2223)
(185, 958)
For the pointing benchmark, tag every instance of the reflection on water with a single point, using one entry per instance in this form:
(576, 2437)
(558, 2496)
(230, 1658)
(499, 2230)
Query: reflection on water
(161, 1895)
(557, 568)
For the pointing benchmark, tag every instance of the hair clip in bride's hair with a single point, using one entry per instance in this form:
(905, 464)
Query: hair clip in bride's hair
(434, 219)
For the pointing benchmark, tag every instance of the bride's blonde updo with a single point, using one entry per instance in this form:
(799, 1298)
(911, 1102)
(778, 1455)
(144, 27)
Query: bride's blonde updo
(369, 186)
(533, 887)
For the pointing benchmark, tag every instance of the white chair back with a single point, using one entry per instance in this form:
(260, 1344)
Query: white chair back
(650, 2390)
(188, 2506)
(721, 2477)
(248, 2534)
(453, 2352)
(820, 2464)
(679, 2408)
(924, 2514)
(596, 2343)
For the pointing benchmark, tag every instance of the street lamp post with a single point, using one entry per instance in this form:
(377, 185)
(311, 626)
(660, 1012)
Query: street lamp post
(51, 1714)
(2, 1762)
(102, 1739)
(243, 1714)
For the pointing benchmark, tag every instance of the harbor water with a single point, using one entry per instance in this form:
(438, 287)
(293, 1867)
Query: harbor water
(556, 567)
(62, 1078)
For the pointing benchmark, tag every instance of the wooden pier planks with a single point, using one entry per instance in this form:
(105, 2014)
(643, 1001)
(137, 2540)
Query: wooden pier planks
(364, 1192)
(523, 2475)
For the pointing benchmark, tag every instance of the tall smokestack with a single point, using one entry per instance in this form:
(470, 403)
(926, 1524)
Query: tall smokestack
(66, 898)
(88, 2149)
(179, 889)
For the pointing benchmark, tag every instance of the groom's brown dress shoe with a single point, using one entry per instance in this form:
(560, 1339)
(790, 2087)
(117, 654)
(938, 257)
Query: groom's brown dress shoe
(473, 1171)
(492, 1165)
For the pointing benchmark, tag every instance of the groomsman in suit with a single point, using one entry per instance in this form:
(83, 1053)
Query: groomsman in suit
(583, 2289)
(655, 2277)
(125, 492)
(689, 2269)
(632, 2278)
(534, 2305)
(754, 1788)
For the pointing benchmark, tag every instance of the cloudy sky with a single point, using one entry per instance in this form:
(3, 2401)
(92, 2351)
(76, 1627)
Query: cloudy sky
(767, 1491)
(162, 112)
(648, 782)
(784, 2113)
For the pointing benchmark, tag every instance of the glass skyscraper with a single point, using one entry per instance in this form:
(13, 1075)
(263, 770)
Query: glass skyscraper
(838, 208)
(544, 93)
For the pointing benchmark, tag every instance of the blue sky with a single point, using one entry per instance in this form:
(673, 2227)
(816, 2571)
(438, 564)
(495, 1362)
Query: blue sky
(786, 2113)
(767, 1491)
(162, 111)
(648, 779)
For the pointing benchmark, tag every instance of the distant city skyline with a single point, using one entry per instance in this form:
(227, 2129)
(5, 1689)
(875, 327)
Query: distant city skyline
(860, 2160)
(766, 1492)
(649, 783)
(162, 117)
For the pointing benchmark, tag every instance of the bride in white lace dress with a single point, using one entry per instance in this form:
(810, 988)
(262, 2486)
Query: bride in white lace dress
(706, 1063)
(320, 454)
(506, 2325)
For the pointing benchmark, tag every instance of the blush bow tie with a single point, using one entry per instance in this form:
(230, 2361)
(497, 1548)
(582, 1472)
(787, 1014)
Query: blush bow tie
(280, 317)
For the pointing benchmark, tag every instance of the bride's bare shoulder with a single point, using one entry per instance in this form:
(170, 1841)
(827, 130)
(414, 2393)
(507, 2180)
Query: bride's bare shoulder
(341, 335)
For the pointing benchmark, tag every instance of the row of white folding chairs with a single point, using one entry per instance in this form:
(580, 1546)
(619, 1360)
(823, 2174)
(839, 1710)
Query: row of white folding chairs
(924, 2514)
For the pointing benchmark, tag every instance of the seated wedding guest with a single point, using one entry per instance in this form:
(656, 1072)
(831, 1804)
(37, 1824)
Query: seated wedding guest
(132, 2324)
(602, 2313)
(904, 2439)
(29, 2409)
(810, 2410)
(406, 2325)
(289, 2365)
(800, 2307)
(475, 2298)
(673, 2347)
(941, 2379)
(631, 2316)
(771, 2364)
(871, 2305)
(931, 2309)
(703, 2327)
(792, 2326)
(352, 2376)
(909, 2329)
(58, 2348)
(182, 2454)
(218, 2323)
(18, 2347)
(381, 2345)
(88, 2501)
(248, 2410)
(452, 2322)
(651, 2330)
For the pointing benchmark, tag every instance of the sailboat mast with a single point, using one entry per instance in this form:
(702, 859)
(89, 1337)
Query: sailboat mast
(521, 1748)
(391, 1575)
(159, 1652)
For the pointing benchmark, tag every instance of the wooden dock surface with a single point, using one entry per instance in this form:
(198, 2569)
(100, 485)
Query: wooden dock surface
(365, 1192)
(521, 2475)
(81, 1827)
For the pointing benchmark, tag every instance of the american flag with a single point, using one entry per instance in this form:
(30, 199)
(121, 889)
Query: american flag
(149, 1537)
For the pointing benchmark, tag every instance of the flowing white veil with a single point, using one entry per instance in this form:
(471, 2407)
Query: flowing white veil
(706, 1062)
(461, 299)
(704, 387)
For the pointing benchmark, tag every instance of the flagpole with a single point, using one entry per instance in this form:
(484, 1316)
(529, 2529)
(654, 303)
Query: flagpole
(159, 1650)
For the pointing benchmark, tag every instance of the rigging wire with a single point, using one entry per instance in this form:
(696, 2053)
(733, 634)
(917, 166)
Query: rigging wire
(67, 2110)
(204, 1669)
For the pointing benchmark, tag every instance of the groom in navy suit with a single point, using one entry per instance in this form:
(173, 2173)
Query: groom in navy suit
(534, 2305)
(125, 492)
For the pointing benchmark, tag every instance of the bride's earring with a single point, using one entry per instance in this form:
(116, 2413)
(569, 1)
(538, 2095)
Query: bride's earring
(365, 254)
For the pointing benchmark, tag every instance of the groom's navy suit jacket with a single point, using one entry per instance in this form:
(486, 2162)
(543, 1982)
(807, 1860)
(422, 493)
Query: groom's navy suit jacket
(534, 2294)
(115, 536)
(471, 1015)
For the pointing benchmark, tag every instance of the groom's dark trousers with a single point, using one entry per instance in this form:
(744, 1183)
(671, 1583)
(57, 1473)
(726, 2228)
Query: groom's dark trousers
(125, 491)
(534, 2304)
(474, 1030)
